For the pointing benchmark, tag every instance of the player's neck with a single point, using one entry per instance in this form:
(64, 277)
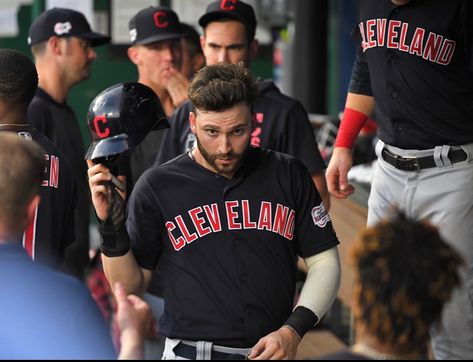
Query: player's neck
(12, 116)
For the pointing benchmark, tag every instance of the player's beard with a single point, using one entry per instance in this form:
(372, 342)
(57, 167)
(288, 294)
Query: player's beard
(212, 159)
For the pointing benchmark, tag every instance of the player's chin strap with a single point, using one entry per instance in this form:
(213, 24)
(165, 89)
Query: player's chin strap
(319, 291)
(115, 240)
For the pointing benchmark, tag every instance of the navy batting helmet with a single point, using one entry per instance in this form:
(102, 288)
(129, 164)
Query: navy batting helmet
(120, 117)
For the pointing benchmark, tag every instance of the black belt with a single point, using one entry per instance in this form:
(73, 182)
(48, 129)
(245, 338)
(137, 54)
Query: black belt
(419, 163)
(189, 352)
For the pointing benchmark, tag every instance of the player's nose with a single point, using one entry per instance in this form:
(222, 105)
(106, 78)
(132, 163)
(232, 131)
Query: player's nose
(223, 56)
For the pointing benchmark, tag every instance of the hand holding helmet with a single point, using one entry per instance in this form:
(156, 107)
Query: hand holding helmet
(119, 118)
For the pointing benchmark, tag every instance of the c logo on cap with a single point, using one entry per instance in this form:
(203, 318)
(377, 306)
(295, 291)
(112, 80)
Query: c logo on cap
(160, 19)
(228, 5)
(101, 127)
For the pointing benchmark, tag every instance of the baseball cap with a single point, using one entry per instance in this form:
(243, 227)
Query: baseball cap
(154, 24)
(63, 23)
(232, 9)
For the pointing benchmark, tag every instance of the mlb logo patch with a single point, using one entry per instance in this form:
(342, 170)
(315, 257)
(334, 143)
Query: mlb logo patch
(320, 216)
(62, 28)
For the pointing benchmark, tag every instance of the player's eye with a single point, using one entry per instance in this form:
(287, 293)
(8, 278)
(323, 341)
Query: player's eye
(238, 132)
(211, 132)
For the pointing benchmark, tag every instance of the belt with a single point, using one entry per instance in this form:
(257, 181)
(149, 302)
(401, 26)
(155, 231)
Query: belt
(190, 352)
(407, 163)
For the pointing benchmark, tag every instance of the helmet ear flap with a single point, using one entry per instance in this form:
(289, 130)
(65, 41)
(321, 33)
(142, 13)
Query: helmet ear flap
(120, 117)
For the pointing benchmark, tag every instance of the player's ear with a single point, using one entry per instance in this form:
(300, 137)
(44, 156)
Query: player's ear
(192, 122)
(133, 55)
(254, 46)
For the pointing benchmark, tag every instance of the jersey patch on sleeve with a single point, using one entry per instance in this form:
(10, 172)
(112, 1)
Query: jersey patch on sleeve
(320, 216)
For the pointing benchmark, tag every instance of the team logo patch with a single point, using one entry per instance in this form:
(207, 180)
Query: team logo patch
(133, 35)
(25, 135)
(62, 28)
(320, 216)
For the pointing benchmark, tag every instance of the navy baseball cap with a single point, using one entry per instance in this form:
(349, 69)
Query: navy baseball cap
(154, 24)
(63, 23)
(231, 9)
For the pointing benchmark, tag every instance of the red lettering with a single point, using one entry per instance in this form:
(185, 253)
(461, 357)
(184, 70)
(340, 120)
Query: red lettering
(255, 139)
(381, 31)
(446, 54)
(228, 5)
(280, 219)
(160, 19)
(188, 236)
(258, 118)
(370, 33)
(199, 221)
(265, 216)
(363, 39)
(232, 215)
(180, 242)
(29, 236)
(432, 47)
(54, 172)
(289, 233)
(402, 42)
(101, 130)
(45, 182)
(392, 33)
(214, 217)
(247, 223)
(418, 42)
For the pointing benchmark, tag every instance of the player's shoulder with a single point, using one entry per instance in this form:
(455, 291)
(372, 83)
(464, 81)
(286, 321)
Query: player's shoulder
(181, 114)
(270, 93)
(274, 158)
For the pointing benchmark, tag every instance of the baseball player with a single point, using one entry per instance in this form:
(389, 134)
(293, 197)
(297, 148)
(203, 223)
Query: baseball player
(61, 41)
(280, 123)
(52, 228)
(415, 62)
(155, 49)
(225, 242)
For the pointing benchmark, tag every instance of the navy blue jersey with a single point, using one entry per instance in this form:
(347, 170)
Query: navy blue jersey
(280, 123)
(52, 229)
(58, 122)
(227, 249)
(417, 62)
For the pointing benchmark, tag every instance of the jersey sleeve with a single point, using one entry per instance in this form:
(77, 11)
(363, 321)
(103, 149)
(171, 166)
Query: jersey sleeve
(144, 223)
(314, 231)
(300, 139)
(360, 76)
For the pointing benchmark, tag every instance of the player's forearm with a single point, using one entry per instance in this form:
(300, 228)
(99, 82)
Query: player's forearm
(126, 270)
(322, 282)
(361, 103)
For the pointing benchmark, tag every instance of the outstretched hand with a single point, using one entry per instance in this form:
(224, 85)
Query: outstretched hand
(133, 318)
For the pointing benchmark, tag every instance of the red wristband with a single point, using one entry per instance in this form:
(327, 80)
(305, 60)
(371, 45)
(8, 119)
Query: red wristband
(350, 126)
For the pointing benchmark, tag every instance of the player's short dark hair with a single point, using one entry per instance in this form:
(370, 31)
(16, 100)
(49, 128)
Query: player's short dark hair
(22, 169)
(405, 274)
(18, 77)
(192, 38)
(221, 86)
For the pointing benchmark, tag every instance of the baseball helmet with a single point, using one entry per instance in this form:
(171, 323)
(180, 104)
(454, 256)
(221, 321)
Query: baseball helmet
(120, 117)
